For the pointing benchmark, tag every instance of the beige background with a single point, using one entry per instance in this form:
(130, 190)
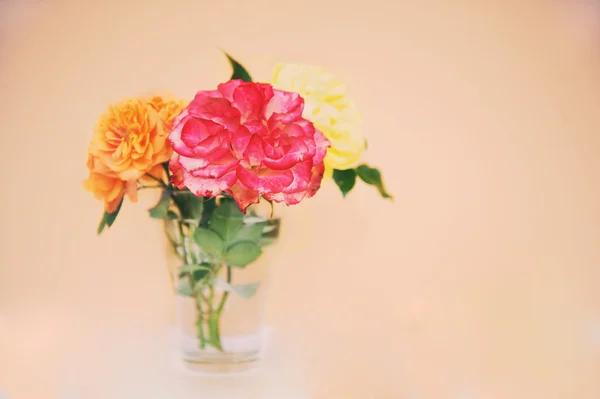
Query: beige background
(480, 281)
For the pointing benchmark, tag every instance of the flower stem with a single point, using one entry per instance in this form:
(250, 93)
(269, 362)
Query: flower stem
(225, 294)
(214, 315)
(160, 181)
(213, 320)
(199, 296)
(143, 187)
(200, 323)
(183, 243)
(213, 327)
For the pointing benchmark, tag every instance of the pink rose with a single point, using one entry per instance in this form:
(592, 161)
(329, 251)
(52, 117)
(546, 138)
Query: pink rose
(247, 139)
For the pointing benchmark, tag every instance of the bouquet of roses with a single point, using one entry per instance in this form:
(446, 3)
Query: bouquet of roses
(218, 159)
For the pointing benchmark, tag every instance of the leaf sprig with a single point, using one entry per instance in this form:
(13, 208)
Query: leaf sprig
(346, 179)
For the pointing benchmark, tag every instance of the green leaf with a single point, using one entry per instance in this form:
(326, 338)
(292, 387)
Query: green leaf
(250, 232)
(108, 218)
(184, 288)
(198, 276)
(242, 253)
(190, 205)
(209, 241)
(172, 215)
(267, 241)
(226, 228)
(192, 268)
(208, 206)
(244, 291)
(372, 176)
(161, 209)
(239, 72)
(226, 220)
(270, 233)
(195, 271)
(228, 208)
(345, 179)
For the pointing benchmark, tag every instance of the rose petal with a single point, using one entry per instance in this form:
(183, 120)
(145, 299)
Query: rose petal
(243, 195)
(240, 141)
(217, 169)
(216, 109)
(131, 190)
(249, 100)
(207, 187)
(179, 118)
(176, 173)
(226, 89)
(297, 152)
(288, 199)
(267, 91)
(257, 127)
(317, 177)
(254, 152)
(266, 180)
(193, 164)
(302, 173)
(202, 136)
(269, 147)
(307, 126)
(297, 129)
(194, 131)
(284, 107)
(321, 146)
(213, 145)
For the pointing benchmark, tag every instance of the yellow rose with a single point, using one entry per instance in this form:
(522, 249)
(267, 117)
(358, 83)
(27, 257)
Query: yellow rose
(329, 108)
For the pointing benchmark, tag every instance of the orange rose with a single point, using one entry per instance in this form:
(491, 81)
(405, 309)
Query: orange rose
(106, 186)
(167, 109)
(129, 141)
(130, 138)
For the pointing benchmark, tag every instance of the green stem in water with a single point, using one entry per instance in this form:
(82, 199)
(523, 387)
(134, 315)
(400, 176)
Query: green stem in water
(214, 318)
(200, 323)
(213, 334)
(199, 296)
(225, 294)
(213, 327)
(183, 244)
